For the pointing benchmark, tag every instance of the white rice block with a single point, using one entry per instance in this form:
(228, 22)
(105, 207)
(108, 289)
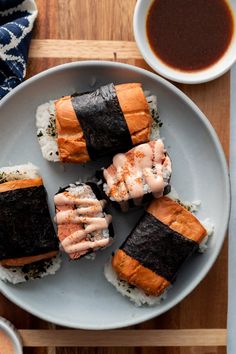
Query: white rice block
(209, 226)
(152, 102)
(16, 275)
(137, 295)
(134, 294)
(46, 127)
(46, 131)
(18, 172)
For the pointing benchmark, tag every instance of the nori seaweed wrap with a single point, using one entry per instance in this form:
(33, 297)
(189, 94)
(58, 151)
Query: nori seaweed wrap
(165, 236)
(87, 126)
(26, 231)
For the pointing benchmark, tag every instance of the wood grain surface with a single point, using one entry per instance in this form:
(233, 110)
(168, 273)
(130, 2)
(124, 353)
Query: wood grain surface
(84, 49)
(106, 20)
(128, 338)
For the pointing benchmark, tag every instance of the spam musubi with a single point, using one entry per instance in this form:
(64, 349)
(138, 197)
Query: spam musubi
(87, 126)
(137, 175)
(83, 222)
(28, 243)
(148, 261)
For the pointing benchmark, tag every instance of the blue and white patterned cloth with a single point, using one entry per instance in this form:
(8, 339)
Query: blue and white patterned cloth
(16, 24)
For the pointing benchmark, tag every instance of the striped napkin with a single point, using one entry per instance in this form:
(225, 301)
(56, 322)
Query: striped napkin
(16, 24)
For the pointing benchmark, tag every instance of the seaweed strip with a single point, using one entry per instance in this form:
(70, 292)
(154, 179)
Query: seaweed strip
(158, 247)
(102, 120)
(26, 228)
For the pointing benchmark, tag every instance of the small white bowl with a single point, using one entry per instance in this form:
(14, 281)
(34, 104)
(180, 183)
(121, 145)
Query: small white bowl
(13, 335)
(194, 77)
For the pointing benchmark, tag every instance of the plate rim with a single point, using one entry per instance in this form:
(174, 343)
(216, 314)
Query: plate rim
(218, 147)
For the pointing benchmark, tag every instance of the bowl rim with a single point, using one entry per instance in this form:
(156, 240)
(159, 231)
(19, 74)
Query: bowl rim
(169, 72)
(7, 327)
(216, 250)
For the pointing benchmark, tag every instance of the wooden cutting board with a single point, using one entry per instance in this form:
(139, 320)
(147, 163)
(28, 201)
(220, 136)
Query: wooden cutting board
(70, 30)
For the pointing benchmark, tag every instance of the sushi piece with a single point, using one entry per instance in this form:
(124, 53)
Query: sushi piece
(148, 261)
(27, 236)
(83, 223)
(137, 175)
(87, 126)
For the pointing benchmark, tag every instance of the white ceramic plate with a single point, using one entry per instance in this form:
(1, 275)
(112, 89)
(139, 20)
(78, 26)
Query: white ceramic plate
(78, 295)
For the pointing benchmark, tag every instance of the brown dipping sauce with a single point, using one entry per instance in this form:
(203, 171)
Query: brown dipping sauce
(189, 34)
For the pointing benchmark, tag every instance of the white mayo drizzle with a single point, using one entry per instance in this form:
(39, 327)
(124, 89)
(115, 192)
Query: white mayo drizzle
(88, 214)
(130, 172)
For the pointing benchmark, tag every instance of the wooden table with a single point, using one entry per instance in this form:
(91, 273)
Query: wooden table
(69, 30)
